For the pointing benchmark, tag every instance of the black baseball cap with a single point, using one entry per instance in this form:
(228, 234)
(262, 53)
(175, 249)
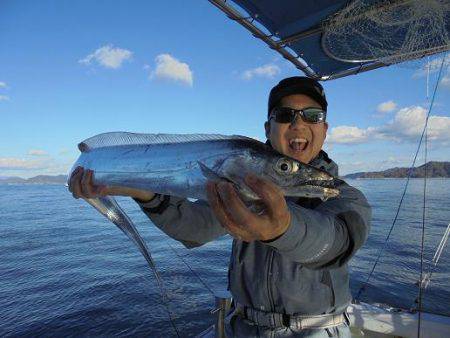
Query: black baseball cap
(297, 85)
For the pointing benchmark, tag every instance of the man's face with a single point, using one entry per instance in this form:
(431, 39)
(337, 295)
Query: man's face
(300, 140)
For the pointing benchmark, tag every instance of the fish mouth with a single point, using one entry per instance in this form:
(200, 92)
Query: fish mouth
(323, 183)
(318, 177)
(328, 187)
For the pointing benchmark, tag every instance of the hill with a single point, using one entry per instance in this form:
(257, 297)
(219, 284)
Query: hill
(40, 179)
(433, 168)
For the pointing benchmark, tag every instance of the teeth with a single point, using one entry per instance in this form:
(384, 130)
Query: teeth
(298, 143)
(297, 140)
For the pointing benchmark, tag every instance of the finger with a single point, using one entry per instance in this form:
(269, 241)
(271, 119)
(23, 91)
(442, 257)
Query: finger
(239, 233)
(217, 205)
(234, 207)
(96, 190)
(71, 181)
(102, 190)
(76, 184)
(87, 188)
(243, 221)
(271, 195)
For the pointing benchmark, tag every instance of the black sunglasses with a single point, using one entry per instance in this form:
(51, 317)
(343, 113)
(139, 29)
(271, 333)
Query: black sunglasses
(289, 115)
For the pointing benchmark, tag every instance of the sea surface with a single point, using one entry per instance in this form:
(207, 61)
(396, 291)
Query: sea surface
(66, 271)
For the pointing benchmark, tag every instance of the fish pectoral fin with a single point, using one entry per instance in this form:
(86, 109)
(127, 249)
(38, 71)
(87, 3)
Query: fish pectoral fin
(209, 174)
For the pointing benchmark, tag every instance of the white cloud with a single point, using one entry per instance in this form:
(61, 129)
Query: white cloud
(108, 56)
(37, 152)
(170, 68)
(64, 151)
(268, 71)
(406, 126)
(4, 98)
(439, 128)
(408, 123)
(3, 85)
(28, 167)
(446, 80)
(434, 66)
(386, 107)
(12, 163)
(347, 135)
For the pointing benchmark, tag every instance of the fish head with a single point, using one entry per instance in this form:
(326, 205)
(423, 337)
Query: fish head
(299, 179)
(293, 177)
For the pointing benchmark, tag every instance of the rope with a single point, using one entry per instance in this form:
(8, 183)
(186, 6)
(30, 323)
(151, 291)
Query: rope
(192, 270)
(428, 77)
(406, 185)
(437, 255)
(424, 202)
(165, 299)
(423, 229)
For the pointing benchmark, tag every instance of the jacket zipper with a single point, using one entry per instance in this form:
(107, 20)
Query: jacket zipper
(269, 284)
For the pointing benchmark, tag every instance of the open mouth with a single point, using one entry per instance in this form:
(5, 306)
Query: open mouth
(298, 144)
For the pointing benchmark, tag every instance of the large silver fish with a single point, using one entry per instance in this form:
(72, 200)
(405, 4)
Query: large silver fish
(180, 165)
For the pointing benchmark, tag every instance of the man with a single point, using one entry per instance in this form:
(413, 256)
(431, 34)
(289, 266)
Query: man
(288, 272)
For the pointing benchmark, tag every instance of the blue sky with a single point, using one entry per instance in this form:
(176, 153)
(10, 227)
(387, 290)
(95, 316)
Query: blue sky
(70, 70)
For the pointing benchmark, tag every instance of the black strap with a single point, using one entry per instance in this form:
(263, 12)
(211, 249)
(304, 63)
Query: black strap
(161, 207)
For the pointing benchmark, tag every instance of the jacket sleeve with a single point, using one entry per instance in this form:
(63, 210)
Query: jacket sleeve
(329, 235)
(191, 223)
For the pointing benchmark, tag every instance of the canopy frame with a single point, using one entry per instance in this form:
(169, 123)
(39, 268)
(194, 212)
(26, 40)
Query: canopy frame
(282, 45)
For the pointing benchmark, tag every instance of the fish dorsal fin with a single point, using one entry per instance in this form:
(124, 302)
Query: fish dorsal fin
(123, 138)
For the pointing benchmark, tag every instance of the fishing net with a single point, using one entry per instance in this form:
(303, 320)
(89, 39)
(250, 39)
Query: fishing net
(389, 31)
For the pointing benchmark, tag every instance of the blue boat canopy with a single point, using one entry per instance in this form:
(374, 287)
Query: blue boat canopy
(295, 29)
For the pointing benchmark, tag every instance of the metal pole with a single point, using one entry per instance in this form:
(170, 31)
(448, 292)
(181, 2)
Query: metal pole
(223, 304)
(233, 14)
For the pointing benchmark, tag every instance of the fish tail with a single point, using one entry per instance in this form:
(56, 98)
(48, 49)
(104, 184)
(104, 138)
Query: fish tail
(109, 208)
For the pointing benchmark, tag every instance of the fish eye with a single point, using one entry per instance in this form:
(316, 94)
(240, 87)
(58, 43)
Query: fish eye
(284, 166)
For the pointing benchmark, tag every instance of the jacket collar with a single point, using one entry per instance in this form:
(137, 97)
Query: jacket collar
(322, 161)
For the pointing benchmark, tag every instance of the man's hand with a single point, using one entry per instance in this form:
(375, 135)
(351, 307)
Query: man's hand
(81, 185)
(244, 224)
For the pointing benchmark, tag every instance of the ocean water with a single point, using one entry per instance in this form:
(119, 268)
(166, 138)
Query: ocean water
(66, 271)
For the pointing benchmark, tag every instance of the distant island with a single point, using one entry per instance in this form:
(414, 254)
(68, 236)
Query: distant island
(433, 168)
(40, 179)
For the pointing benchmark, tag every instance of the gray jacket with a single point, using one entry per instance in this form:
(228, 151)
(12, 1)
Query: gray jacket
(302, 272)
